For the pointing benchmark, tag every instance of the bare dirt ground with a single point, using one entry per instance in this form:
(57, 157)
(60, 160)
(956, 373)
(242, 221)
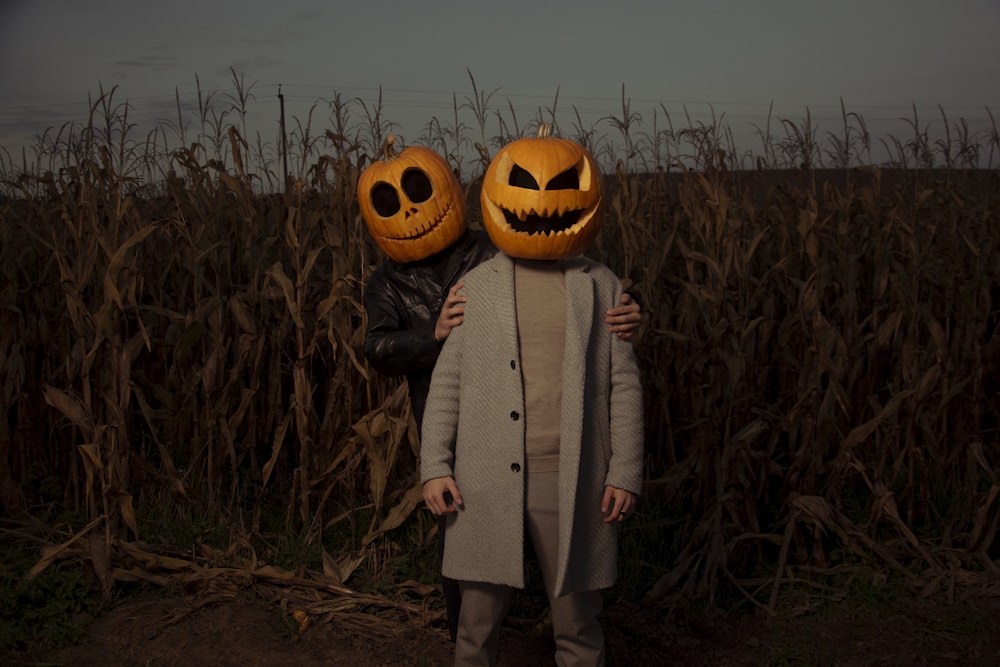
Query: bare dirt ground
(174, 631)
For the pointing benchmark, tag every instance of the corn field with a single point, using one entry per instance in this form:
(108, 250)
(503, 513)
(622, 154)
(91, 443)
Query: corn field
(820, 347)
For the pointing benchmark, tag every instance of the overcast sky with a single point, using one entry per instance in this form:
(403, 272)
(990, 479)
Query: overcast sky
(880, 56)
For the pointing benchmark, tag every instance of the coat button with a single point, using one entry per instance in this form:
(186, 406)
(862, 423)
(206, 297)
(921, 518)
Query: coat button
(514, 415)
(515, 467)
(512, 365)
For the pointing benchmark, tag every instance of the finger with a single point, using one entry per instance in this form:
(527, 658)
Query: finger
(616, 312)
(622, 316)
(628, 505)
(609, 494)
(456, 495)
(630, 314)
(613, 515)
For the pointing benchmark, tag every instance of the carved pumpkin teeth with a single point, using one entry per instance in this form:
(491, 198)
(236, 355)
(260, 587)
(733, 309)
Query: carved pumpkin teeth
(425, 229)
(533, 223)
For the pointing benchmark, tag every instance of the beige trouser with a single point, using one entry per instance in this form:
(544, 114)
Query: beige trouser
(576, 625)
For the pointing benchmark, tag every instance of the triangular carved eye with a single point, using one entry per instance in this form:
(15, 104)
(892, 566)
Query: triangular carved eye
(417, 186)
(385, 201)
(520, 178)
(568, 180)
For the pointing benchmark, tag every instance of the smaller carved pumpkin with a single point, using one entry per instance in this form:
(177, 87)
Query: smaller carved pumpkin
(541, 197)
(412, 202)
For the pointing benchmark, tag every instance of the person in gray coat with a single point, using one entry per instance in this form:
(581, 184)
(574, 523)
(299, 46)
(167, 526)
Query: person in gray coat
(533, 427)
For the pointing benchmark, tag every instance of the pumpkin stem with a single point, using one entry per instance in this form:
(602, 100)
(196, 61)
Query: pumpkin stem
(544, 130)
(388, 152)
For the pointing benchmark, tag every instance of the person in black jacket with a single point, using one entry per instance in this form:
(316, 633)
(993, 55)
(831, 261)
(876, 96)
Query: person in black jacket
(411, 309)
(412, 306)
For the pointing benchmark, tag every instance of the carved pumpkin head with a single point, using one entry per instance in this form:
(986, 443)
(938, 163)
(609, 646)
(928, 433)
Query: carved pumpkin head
(541, 198)
(412, 202)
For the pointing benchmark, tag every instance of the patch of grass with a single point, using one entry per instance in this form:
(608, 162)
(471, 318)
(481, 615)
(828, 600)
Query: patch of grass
(411, 560)
(869, 594)
(172, 528)
(409, 553)
(50, 610)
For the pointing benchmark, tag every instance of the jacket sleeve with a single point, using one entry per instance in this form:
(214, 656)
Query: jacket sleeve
(390, 346)
(625, 470)
(440, 425)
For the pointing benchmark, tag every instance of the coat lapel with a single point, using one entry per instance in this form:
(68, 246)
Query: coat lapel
(579, 322)
(501, 301)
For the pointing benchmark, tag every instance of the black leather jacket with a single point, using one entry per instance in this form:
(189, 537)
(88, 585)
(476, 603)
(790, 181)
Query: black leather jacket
(403, 302)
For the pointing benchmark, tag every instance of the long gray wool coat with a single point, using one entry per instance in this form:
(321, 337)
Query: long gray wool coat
(473, 429)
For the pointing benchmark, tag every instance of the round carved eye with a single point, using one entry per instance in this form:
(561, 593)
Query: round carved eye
(385, 201)
(417, 186)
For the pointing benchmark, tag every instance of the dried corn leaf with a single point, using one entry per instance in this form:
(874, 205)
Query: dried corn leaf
(398, 514)
(277, 273)
(71, 407)
(341, 570)
(859, 433)
(51, 552)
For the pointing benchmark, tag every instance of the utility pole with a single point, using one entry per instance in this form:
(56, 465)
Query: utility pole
(284, 140)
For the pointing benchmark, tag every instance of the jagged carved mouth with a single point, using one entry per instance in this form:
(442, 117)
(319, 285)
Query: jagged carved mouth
(537, 224)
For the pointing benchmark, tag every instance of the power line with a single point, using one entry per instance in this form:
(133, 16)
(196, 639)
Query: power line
(449, 98)
(410, 110)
